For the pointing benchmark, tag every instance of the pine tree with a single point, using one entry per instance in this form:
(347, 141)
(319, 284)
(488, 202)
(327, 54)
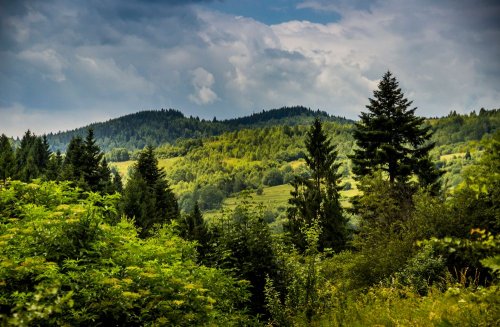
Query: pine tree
(73, 160)
(391, 138)
(105, 184)
(147, 195)
(92, 157)
(317, 199)
(116, 180)
(54, 168)
(26, 158)
(7, 159)
(193, 227)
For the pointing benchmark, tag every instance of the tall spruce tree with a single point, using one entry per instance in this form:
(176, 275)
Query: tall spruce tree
(147, 195)
(390, 138)
(7, 159)
(31, 157)
(91, 168)
(317, 199)
(54, 167)
(73, 161)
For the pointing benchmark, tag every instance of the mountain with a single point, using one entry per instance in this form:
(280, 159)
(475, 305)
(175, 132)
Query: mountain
(156, 127)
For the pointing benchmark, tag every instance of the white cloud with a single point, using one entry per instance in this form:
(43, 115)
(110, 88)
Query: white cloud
(202, 82)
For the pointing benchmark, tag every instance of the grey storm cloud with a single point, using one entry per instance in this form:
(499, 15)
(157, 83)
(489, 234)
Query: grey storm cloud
(64, 64)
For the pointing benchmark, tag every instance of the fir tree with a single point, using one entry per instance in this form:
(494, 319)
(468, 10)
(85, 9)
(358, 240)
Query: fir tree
(194, 228)
(391, 138)
(116, 180)
(91, 168)
(7, 159)
(27, 158)
(73, 160)
(54, 167)
(147, 195)
(317, 199)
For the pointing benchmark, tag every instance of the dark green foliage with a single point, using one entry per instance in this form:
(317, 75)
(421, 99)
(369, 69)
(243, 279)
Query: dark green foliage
(7, 159)
(457, 128)
(273, 177)
(91, 160)
(147, 196)
(135, 131)
(391, 138)
(317, 200)
(117, 181)
(242, 243)
(85, 166)
(32, 157)
(118, 154)
(193, 227)
(55, 166)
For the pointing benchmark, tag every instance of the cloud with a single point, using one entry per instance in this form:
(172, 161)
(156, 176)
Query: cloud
(47, 61)
(202, 82)
(108, 58)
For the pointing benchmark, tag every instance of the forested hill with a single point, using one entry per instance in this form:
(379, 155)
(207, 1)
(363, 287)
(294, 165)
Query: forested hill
(157, 127)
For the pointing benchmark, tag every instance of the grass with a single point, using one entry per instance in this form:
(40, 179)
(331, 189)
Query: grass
(451, 156)
(124, 166)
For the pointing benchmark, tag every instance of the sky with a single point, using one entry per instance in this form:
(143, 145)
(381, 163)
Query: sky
(65, 64)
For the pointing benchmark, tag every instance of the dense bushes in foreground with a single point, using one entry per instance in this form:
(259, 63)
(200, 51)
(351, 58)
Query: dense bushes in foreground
(67, 259)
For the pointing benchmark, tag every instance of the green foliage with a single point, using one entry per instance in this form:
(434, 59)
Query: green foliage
(302, 294)
(118, 155)
(64, 264)
(32, 157)
(468, 254)
(242, 243)
(193, 227)
(456, 128)
(7, 159)
(396, 306)
(147, 196)
(317, 200)
(391, 138)
(155, 128)
(84, 165)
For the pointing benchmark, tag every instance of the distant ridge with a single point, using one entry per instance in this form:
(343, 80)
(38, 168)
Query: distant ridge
(156, 127)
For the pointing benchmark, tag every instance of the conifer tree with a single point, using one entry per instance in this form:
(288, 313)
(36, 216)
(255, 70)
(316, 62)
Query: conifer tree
(27, 163)
(54, 168)
(73, 160)
(7, 159)
(147, 195)
(317, 199)
(391, 138)
(116, 180)
(194, 228)
(92, 156)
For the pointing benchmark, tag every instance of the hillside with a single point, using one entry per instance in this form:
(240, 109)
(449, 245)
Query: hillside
(156, 127)
(211, 169)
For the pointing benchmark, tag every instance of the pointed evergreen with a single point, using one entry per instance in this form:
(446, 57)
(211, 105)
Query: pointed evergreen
(391, 138)
(105, 184)
(92, 157)
(54, 168)
(7, 158)
(147, 195)
(26, 158)
(116, 180)
(73, 160)
(317, 198)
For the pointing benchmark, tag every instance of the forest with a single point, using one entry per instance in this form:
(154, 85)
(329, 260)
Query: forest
(287, 217)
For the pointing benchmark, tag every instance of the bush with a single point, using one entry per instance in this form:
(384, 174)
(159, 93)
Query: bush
(64, 264)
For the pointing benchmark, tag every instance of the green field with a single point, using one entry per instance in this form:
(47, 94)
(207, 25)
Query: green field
(124, 166)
